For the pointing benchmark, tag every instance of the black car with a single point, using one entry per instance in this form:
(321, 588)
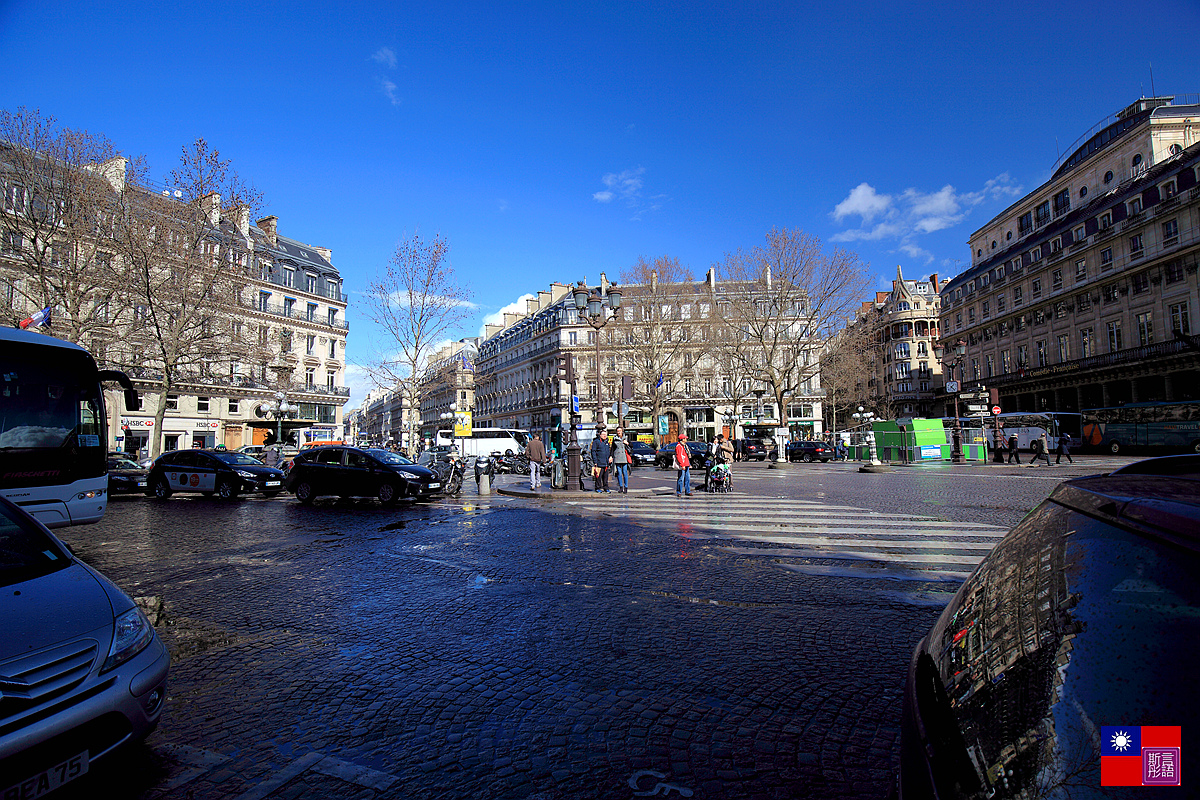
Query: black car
(225, 473)
(641, 453)
(352, 472)
(125, 476)
(1075, 632)
(755, 449)
(697, 455)
(809, 451)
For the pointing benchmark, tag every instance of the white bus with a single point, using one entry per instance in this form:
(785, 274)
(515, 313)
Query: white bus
(485, 441)
(1030, 425)
(53, 432)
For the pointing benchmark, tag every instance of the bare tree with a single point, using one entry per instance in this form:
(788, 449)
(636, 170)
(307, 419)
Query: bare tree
(845, 370)
(184, 267)
(418, 304)
(654, 343)
(793, 296)
(60, 189)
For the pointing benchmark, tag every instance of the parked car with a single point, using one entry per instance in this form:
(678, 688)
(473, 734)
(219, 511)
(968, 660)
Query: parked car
(254, 450)
(1085, 616)
(350, 472)
(224, 473)
(755, 449)
(641, 453)
(697, 455)
(83, 670)
(125, 476)
(809, 451)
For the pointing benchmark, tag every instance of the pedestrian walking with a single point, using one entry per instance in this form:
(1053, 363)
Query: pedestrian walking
(621, 460)
(1041, 449)
(600, 456)
(536, 451)
(271, 455)
(1014, 453)
(1064, 449)
(739, 447)
(683, 468)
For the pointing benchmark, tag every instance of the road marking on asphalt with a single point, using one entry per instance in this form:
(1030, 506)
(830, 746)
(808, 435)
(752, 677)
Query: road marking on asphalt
(325, 765)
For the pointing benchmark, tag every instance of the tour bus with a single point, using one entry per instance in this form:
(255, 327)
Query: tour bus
(53, 431)
(1030, 425)
(1162, 427)
(485, 441)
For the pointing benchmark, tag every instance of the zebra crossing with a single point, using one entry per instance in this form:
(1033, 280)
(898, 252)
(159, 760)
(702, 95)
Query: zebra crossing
(927, 557)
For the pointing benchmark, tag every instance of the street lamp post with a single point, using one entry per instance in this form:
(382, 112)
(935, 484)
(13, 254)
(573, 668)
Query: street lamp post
(960, 351)
(866, 418)
(280, 408)
(595, 309)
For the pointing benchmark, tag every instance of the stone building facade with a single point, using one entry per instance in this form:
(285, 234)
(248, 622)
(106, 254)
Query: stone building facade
(1084, 293)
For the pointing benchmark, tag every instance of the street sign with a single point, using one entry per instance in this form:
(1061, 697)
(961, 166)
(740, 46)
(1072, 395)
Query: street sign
(976, 408)
(976, 395)
(904, 422)
(996, 410)
(619, 410)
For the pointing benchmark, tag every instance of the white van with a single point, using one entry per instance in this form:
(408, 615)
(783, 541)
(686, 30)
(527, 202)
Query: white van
(485, 441)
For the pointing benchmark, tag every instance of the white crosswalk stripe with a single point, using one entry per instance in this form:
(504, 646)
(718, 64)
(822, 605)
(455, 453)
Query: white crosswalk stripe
(820, 539)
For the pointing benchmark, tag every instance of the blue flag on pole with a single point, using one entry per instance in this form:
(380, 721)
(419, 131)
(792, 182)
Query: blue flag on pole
(660, 380)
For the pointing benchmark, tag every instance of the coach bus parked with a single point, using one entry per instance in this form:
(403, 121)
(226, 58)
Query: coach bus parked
(1159, 427)
(53, 428)
(485, 441)
(1029, 426)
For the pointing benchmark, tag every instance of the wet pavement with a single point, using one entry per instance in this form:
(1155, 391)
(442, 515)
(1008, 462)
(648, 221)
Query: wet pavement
(577, 645)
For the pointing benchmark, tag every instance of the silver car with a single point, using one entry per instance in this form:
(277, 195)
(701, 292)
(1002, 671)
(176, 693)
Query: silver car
(81, 669)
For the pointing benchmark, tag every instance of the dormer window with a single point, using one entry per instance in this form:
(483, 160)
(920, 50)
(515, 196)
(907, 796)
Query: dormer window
(1135, 206)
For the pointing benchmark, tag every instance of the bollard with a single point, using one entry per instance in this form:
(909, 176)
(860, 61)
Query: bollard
(485, 483)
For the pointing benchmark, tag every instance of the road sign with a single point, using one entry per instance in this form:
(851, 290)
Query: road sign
(620, 410)
(996, 410)
(976, 408)
(975, 395)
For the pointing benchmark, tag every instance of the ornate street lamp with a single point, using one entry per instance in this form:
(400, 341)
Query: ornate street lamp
(280, 408)
(594, 308)
(960, 351)
(866, 418)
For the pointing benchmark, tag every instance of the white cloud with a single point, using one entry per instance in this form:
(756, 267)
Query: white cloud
(359, 381)
(603, 197)
(497, 317)
(389, 90)
(627, 187)
(385, 56)
(863, 201)
(502, 205)
(913, 213)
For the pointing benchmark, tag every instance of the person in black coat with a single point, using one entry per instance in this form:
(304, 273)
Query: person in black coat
(600, 452)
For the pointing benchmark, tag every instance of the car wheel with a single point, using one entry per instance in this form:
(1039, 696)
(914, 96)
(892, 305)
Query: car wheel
(226, 490)
(1114, 447)
(162, 489)
(808, 457)
(1196, 446)
(304, 492)
(388, 493)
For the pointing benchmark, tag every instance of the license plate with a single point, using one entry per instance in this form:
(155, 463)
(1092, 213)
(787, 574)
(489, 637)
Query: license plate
(46, 782)
(435, 486)
(272, 483)
(141, 483)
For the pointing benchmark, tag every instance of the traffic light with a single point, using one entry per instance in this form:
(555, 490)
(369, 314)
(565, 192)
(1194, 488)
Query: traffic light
(566, 368)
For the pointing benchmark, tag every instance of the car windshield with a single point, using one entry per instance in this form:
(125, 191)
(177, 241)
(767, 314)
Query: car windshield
(26, 552)
(388, 457)
(239, 458)
(121, 463)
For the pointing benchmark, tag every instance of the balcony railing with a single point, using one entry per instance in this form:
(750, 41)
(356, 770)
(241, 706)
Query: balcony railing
(1081, 365)
(279, 310)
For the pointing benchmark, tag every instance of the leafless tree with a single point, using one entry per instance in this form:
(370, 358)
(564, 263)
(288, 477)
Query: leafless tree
(655, 344)
(794, 296)
(417, 302)
(184, 264)
(60, 189)
(845, 370)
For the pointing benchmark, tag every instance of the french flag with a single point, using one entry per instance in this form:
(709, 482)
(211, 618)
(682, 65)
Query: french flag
(1140, 755)
(37, 320)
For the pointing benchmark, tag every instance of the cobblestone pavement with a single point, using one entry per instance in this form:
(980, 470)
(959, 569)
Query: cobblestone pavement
(577, 645)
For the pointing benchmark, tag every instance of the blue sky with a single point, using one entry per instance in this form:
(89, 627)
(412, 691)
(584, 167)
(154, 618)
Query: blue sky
(551, 141)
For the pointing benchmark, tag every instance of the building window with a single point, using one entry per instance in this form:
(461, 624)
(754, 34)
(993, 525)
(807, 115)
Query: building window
(1042, 356)
(573, 337)
(1018, 295)
(1114, 336)
(1025, 225)
(1170, 232)
(1037, 287)
(1019, 322)
(331, 378)
(1106, 258)
(333, 348)
(1064, 347)
(990, 364)
(1106, 219)
(1081, 270)
(1145, 327)
(1000, 304)
(289, 306)
(1079, 234)
(1060, 310)
(172, 402)
(1174, 271)
(1039, 316)
(331, 290)
(1084, 302)
(289, 278)
(202, 405)
(1141, 282)
(1062, 202)
(1180, 319)
(1168, 190)
(1042, 213)
(971, 315)
(1035, 254)
(987, 309)
(1086, 336)
(1111, 293)
(958, 320)
(1135, 206)
(310, 376)
(264, 301)
(234, 405)
(1056, 244)
(1056, 280)
(1135, 246)
(1022, 355)
(310, 283)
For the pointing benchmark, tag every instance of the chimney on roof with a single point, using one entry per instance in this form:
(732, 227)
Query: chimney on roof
(711, 277)
(242, 217)
(653, 281)
(270, 226)
(113, 171)
(210, 204)
(324, 252)
(603, 284)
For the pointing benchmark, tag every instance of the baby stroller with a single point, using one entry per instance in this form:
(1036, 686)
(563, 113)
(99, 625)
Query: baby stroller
(721, 479)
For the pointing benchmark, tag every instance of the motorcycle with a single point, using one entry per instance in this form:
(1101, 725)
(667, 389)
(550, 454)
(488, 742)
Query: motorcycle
(450, 472)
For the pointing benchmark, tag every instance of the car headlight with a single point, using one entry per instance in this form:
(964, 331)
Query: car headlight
(245, 474)
(131, 633)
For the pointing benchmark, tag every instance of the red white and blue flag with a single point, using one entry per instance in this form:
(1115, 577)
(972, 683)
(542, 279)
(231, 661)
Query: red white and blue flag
(1140, 755)
(37, 320)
